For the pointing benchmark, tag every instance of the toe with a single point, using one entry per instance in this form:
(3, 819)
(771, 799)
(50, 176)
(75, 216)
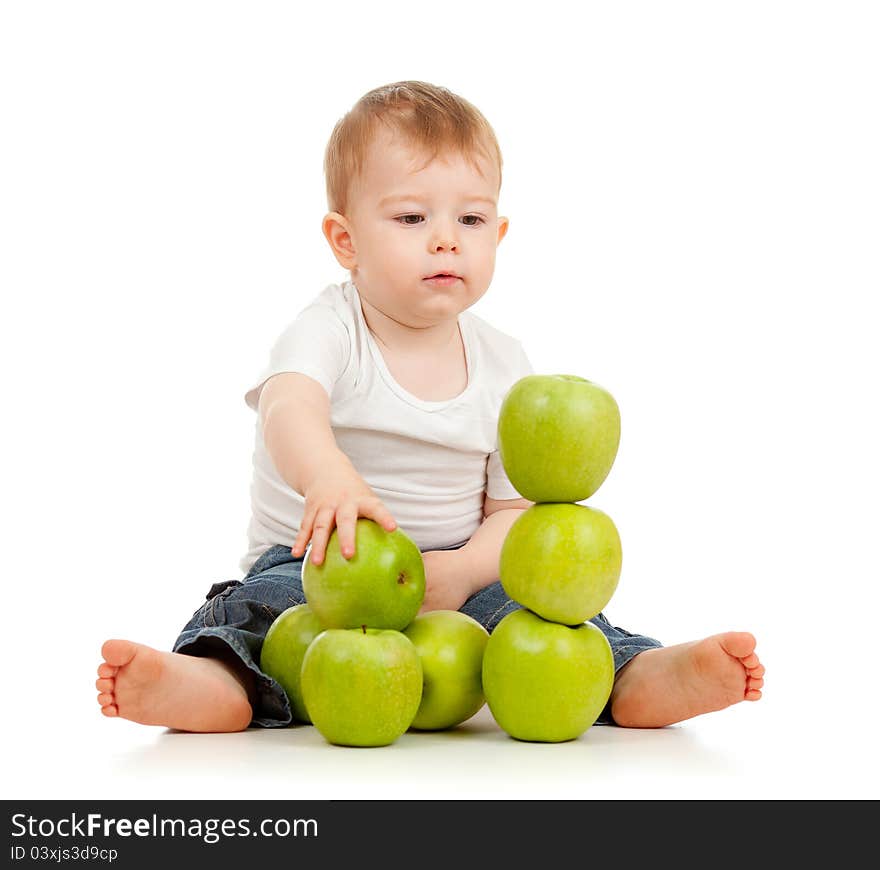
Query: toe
(118, 652)
(753, 694)
(105, 699)
(110, 710)
(104, 685)
(754, 683)
(738, 643)
(105, 670)
(750, 661)
(756, 672)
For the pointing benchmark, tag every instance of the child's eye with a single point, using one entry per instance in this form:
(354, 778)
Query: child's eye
(403, 220)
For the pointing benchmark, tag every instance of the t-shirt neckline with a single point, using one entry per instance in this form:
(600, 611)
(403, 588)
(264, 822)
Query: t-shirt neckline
(391, 382)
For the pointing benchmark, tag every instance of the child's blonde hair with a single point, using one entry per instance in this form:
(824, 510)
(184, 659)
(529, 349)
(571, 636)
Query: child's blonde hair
(426, 116)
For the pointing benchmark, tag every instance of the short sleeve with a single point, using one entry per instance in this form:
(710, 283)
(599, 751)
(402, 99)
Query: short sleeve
(316, 344)
(498, 485)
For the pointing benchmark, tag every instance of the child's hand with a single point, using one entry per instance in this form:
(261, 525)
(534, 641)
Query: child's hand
(447, 580)
(336, 499)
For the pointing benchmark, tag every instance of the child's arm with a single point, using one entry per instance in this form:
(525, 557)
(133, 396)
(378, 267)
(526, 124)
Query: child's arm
(295, 416)
(454, 575)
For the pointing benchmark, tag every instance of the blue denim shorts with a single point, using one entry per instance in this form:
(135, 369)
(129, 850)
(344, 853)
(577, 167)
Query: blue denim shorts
(237, 614)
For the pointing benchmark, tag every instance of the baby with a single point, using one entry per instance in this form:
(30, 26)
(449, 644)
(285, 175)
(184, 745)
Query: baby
(381, 400)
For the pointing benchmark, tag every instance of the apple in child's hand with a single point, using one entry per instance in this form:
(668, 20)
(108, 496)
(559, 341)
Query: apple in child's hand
(381, 586)
(545, 681)
(557, 437)
(361, 686)
(562, 561)
(283, 650)
(450, 645)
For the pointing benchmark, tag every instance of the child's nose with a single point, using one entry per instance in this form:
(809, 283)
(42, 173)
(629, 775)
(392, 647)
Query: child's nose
(444, 242)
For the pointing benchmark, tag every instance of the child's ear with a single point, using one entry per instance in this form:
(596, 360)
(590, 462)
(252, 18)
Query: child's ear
(336, 230)
(503, 224)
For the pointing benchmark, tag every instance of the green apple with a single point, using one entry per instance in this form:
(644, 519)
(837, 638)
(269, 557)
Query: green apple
(562, 561)
(381, 586)
(557, 437)
(361, 686)
(450, 645)
(545, 681)
(283, 649)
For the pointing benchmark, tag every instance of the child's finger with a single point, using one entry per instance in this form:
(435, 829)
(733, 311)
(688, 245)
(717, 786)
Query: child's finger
(381, 515)
(324, 522)
(302, 537)
(346, 522)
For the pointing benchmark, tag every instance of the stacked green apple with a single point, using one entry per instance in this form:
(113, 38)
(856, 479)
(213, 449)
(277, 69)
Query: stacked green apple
(547, 672)
(358, 661)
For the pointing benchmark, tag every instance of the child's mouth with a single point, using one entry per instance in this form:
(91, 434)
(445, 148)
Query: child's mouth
(443, 280)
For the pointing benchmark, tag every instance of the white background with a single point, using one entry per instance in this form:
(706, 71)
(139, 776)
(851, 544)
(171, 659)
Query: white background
(693, 193)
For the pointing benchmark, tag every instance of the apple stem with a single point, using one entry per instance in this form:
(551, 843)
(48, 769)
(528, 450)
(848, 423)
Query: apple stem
(364, 629)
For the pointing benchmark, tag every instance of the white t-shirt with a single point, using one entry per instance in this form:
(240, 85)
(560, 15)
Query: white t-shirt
(429, 462)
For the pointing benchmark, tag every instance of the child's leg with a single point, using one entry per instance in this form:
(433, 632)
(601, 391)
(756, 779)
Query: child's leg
(656, 685)
(491, 604)
(212, 680)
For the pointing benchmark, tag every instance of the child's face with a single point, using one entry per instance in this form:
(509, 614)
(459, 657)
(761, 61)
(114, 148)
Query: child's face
(445, 221)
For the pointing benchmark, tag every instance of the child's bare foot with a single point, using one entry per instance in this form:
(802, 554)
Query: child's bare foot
(669, 684)
(153, 687)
